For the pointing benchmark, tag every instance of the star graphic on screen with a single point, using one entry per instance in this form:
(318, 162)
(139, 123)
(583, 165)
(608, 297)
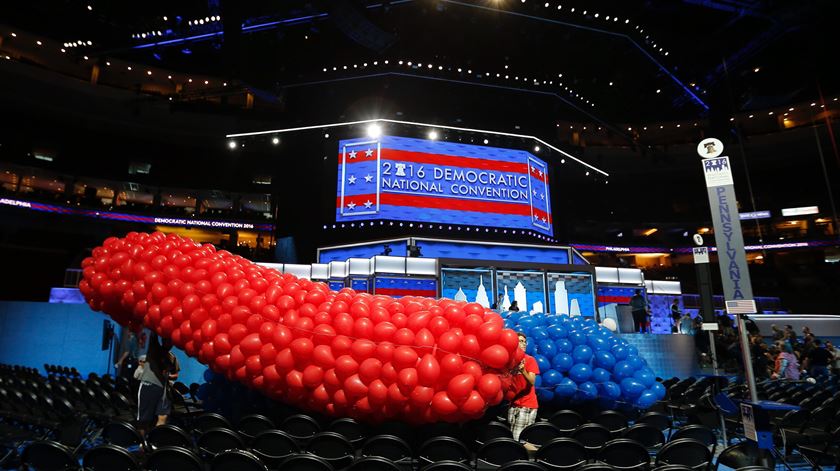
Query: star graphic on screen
(368, 178)
(351, 205)
(351, 180)
(352, 154)
(544, 220)
(535, 192)
(368, 152)
(540, 172)
(368, 204)
(533, 169)
(536, 217)
(542, 196)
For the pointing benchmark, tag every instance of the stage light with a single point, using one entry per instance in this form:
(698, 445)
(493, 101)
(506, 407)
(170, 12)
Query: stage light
(38, 43)
(433, 135)
(562, 161)
(63, 50)
(757, 69)
(626, 21)
(587, 173)
(148, 72)
(813, 104)
(791, 109)
(84, 57)
(751, 116)
(128, 68)
(14, 35)
(536, 148)
(90, 8)
(326, 135)
(108, 64)
(374, 131)
(658, 90)
(165, 19)
(206, 82)
(232, 145)
(189, 80)
(275, 140)
(486, 142)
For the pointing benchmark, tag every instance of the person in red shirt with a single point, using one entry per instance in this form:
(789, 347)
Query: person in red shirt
(524, 405)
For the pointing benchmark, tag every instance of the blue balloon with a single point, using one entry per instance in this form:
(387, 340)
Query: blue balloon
(636, 362)
(623, 369)
(580, 373)
(538, 334)
(604, 359)
(547, 348)
(551, 378)
(645, 376)
(598, 343)
(566, 387)
(611, 390)
(659, 390)
(577, 338)
(582, 354)
(562, 362)
(545, 395)
(646, 399)
(209, 375)
(557, 332)
(619, 352)
(632, 351)
(542, 362)
(564, 346)
(588, 391)
(530, 349)
(631, 387)
(600, 375)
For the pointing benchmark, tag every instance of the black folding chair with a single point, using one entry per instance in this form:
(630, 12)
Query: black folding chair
(523, 466)
(625, 454)
(540, 433)
(122, 433)
(274, 446)
(301, 427)
(567, 421)
(592, 437)
(173, 458)
(304, 462)
(646, 434)
(562, 454)
(109, 458)
(685, 451)
(168, 435)
(239, 460)
(498, 452)
(442, 449)
(744, 454)
(210, 420)
(333, 448)
(47, 455)
(251, 425)
(353, 431)
(373, 463)
(614, 421)
(217, 440)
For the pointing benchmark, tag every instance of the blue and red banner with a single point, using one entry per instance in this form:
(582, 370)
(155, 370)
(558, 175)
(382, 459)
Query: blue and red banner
(409, 179)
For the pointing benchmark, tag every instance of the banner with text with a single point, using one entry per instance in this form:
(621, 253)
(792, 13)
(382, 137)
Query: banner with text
(732, 259)
(422, 180)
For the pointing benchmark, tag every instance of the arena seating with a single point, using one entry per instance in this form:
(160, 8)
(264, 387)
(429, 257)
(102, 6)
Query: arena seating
(61, 421)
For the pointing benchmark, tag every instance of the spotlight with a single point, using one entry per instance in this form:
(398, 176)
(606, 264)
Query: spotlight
(433, 135)
(486, 142)
(90, 8)
(326, 135)
(275, 140)
(536, 148)
(562, 161)
(38, 43)
(374, 131)
(232, 144)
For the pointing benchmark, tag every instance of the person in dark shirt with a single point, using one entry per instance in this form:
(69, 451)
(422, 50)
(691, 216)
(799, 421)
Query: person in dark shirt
(514, 307)
(675, 316)
(638, 306)
(817, 360)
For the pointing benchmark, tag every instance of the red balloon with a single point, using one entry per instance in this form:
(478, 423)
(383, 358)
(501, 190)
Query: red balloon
(443, 405)
(362, 349)
(450, 365)
(404, 357)
(421, 396)
(470, 347)
(489, 386)
(313, 376)
(428, 370)
(488, 334)
(460, 386)
(345, 366)
(322, 356)
(377, 393)
(474, 405)
(370, 370)
(407, 380)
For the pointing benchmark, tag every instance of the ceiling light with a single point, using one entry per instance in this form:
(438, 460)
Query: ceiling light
(128, 68)
(90, 8)
(275, 140)
(658, 90)
(536, 148)
(232, 144)
(757, 69)
(374, 131)
(433, 135)
(148, 72)
(38, 43)
(562, 161)
(486, 142)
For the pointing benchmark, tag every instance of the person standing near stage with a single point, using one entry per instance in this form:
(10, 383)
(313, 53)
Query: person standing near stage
(638, 306)
(675, 316)
(524, 405)
(153, 405)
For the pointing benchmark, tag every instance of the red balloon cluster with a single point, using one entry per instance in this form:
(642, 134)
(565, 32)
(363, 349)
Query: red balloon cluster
(341, 353)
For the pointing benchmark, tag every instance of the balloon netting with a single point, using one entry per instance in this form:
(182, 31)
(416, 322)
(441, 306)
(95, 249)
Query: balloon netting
(373, 358)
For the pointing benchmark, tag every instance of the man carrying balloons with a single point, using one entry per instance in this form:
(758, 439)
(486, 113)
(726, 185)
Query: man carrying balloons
(524, 405)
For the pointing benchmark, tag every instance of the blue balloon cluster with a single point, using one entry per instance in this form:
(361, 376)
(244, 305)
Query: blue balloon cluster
(582, 361)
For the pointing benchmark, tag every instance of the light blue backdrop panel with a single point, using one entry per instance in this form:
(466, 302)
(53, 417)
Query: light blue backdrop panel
(578, 288)
(532, 282)
(467, 281)
(492, 252)
(32, 334)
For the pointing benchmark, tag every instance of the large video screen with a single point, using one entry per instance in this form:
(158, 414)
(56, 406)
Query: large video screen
(407, 179)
